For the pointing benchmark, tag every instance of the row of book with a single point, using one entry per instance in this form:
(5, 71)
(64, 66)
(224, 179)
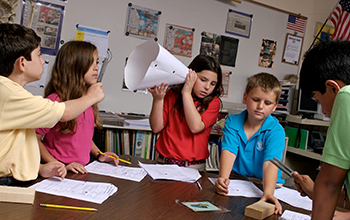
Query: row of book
(129, 142)
(214, 147)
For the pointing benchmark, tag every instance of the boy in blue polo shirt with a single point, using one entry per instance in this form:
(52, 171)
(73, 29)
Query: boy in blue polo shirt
(253, 137)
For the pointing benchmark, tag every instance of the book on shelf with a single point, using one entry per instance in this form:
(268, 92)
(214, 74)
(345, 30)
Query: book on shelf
(126, 142)
(294, 140)
(138, 143)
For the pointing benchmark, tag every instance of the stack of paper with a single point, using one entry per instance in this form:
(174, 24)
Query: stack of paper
(137, 122)
(171, 172)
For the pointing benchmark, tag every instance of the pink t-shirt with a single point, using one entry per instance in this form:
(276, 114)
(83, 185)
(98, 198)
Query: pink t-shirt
(176, 140)
(70, 147)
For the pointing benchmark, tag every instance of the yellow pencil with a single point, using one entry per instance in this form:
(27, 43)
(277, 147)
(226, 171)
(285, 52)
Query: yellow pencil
(125, 161)
(68, 207)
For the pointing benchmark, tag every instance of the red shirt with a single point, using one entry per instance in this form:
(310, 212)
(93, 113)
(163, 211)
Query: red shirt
(176, 141)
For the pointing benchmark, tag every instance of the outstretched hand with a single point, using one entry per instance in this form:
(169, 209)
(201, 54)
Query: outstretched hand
(158, 92)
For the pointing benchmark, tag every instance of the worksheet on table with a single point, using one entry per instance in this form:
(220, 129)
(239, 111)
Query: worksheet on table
(96, 192)
(122, 172)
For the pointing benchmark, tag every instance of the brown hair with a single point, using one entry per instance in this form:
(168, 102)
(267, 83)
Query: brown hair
(72, 62)
(198, 64)
(267, 82)
(15, 41)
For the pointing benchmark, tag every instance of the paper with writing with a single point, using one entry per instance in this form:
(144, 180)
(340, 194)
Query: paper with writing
(123, 172)
(171, 172)
(96, 192)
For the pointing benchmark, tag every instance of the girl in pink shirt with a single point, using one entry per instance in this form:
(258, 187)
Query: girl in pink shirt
(74, 70)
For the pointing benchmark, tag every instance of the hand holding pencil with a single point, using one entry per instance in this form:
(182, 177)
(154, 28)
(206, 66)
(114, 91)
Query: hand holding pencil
(106, 157)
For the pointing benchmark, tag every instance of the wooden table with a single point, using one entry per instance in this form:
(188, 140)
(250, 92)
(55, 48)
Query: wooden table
(147, 199)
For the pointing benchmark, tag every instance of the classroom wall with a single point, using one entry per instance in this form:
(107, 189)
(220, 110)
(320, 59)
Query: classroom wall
(203, 15)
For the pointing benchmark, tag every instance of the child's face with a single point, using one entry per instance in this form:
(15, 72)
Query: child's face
(326, 100)
(34, 68)
(90, 76)
(205, 84)
(260, 104)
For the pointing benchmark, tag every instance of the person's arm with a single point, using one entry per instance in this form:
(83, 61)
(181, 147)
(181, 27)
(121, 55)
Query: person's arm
(227, 160)
(75, 107)
(156, 115)
(193, 118)
(103, 158)
(45, 154)
(326, 191)
(270, 172)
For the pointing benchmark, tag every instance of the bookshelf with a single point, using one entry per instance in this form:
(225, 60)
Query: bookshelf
(306, 124)
(285, 103)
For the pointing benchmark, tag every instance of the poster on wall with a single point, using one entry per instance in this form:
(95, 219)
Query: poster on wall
(179, 40)
(46, 20)
(220, 47)
(267, 53)
(238, 23)
(292, 49)
(141, 22)
(210, 44)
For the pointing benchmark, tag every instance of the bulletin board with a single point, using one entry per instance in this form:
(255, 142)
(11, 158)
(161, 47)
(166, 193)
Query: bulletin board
(209, 15)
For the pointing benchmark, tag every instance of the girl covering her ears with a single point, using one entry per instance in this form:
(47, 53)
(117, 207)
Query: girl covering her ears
(184, 115)
(74, 70)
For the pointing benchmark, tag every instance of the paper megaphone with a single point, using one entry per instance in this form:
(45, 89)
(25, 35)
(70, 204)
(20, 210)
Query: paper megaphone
(150, 64)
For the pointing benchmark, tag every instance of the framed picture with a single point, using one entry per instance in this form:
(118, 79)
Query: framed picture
(141, 22)
(238, 23)
(179, 40)
(46, 20)
(267, 53)
(292, 49)
(220, 47)
(326, 32)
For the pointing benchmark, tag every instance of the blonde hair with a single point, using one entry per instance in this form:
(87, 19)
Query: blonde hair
(267, 82)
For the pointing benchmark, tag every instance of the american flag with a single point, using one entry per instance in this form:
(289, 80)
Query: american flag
(296, 23)
(340, 17)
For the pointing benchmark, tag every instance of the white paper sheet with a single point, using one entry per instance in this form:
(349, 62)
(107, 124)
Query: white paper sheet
(293, 198)
(129, 173)
(248, 189)
(95, 192)
(241, 188)
(290, 215)
(171, 172)
(150, 64)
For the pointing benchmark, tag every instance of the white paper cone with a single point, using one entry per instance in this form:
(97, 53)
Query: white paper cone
(150, 64)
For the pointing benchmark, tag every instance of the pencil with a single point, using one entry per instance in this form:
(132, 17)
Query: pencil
(199, 185)
(125, 161)
(68, 207)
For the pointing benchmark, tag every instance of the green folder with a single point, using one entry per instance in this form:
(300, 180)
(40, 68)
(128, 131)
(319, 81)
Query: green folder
(292, 134)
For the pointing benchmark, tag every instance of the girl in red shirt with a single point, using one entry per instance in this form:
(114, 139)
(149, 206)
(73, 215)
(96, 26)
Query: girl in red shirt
(184, 115)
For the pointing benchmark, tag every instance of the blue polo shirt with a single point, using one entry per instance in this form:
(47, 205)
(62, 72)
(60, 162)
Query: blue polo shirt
(264, 145)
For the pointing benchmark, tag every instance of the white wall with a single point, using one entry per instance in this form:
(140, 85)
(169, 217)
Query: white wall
(203, 15)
